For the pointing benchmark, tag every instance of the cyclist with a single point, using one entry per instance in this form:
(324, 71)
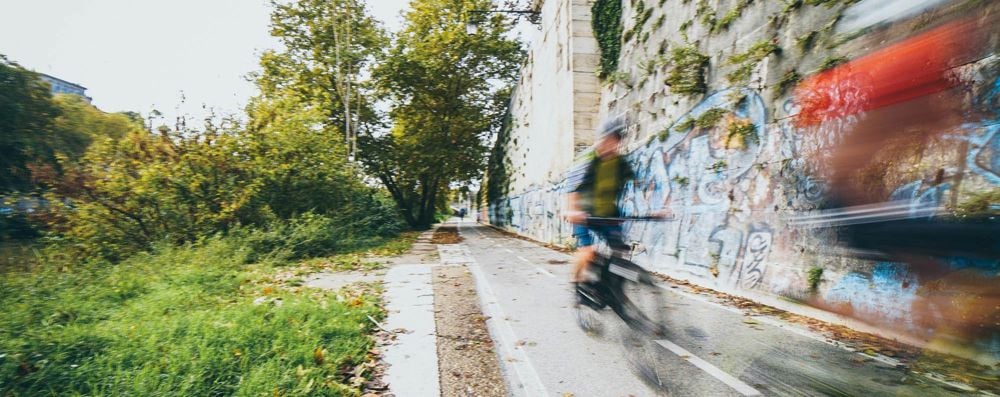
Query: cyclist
(603, 181)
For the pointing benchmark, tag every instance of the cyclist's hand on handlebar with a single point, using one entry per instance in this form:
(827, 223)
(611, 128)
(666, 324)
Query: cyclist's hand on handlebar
(577, 217)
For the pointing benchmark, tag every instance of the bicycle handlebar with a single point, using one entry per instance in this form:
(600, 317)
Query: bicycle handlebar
(598, 220)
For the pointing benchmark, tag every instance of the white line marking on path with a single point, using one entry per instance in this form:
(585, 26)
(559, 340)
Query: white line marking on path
(508, 250)
(523, 260)
(781, 325)
(719, 374)
(504, 335)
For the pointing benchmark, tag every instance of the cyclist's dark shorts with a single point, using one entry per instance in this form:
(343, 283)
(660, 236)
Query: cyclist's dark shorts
(585, 234)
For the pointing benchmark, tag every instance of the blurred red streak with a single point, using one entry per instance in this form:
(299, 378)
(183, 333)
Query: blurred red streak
(912, 68)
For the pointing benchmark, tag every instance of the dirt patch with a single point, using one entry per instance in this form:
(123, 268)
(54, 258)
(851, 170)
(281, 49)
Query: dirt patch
(446, 235)
(467, 359)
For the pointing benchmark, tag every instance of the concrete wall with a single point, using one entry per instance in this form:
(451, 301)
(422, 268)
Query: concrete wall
(733, 204)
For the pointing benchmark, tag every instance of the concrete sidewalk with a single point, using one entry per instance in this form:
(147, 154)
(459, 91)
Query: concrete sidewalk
(710, 350)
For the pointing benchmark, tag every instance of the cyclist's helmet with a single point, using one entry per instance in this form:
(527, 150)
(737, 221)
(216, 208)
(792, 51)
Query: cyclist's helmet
(614, 126)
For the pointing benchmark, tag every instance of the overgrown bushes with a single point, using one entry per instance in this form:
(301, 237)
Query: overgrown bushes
(127, 194)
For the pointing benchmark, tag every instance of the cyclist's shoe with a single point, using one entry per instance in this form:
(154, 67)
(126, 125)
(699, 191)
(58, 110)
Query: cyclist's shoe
(587, 294)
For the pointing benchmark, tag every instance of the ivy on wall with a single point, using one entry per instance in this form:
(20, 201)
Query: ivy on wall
(607, 24)
(497, 169)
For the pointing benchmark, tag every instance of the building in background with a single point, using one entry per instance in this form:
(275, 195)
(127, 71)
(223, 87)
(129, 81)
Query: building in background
(60, 86)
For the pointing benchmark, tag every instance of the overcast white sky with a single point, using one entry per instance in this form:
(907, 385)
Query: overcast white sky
(141, 54)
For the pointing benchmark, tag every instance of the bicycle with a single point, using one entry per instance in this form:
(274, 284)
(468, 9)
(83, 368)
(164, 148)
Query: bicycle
(631, 292)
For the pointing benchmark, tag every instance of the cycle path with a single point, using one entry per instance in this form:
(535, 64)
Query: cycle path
(710, 349)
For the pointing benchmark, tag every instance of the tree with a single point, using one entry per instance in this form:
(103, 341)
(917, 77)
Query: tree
(328, 47)
(448, 90)
(26, 116)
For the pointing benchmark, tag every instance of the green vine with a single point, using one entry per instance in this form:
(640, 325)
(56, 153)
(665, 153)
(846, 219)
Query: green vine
(687, 75)
(706, 14)
(748, 59)
(607, 25)
(685, 125)
(498, 167)
(730, 17)
(710, 118)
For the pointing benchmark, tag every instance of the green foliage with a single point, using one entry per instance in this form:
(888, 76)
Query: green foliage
(193, 320)
(146, 187)
(642, 15)
(979, 204)
(788, 80)
(806, 41)
(684, 125)
(791, 5)
(682, 181)
(706, 15)
(659, 22)
(687, 71)
(827, 3)
(663, 135)
(710, 118)
(497, 174)
(814, 275)
(731, 15)
(607, 25)
(318, 68)
(620, 77)
(718, 166)
(830, 62)
(743, 130)
(448, 91)
(26, 114)
(746, 60)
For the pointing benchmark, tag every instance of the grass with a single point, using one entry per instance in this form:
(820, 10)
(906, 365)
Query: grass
(193, 320)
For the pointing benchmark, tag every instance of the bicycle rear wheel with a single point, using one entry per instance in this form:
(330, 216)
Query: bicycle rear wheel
(641, 305)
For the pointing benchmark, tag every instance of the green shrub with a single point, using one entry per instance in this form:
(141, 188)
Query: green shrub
(147, 187)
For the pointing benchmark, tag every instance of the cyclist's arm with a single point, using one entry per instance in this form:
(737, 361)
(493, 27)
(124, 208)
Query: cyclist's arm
(574, 213)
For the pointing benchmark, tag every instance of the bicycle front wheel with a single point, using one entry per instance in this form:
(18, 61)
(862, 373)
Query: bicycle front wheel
(638, 300)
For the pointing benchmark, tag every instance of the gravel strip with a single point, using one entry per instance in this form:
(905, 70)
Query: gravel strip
(467, 360)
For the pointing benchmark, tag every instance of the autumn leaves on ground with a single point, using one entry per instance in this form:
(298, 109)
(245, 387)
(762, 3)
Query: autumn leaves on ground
(169, 259)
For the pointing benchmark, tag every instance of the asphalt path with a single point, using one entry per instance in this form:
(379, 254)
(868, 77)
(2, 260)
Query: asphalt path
(709, 350)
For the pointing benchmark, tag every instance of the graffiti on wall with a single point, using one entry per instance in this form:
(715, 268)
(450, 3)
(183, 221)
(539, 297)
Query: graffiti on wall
(730, 202)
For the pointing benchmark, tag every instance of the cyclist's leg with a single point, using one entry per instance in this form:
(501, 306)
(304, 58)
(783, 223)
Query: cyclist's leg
(584, 252)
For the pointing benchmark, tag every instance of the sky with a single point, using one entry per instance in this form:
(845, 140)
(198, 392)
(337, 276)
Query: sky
(141, 55)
